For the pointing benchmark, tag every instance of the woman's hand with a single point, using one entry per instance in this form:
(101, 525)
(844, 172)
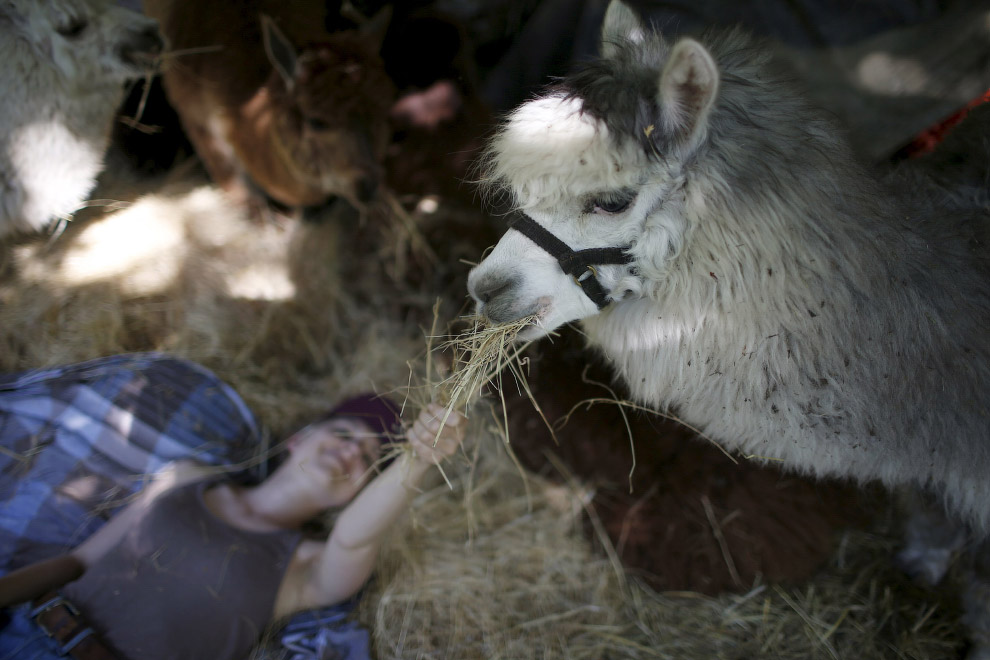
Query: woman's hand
(427, 446)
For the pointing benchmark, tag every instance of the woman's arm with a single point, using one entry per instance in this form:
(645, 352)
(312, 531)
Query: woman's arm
(349, 555)
(37, 579)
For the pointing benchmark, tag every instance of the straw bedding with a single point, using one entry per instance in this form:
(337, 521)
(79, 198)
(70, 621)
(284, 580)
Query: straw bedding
(500, 563)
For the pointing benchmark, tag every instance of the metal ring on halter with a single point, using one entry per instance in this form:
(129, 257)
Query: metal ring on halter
(590, 271)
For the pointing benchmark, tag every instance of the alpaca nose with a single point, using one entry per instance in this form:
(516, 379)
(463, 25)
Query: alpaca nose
(142, 47)
(494, 296)
(487, 288)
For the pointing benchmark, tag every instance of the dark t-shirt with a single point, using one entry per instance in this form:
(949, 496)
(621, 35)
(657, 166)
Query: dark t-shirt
(184, 584)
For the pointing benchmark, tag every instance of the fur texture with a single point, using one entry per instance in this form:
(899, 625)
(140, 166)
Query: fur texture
(273, 102)
(786, 301)
(65, 63)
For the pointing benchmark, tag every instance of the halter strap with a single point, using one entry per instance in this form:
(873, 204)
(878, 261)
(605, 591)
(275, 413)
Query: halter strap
(579, 264)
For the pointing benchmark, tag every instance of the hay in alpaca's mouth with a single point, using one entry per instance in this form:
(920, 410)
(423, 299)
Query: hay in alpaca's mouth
(480, 356)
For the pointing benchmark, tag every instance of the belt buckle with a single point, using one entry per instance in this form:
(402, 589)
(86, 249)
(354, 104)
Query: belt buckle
(52, 603)
(48, 606)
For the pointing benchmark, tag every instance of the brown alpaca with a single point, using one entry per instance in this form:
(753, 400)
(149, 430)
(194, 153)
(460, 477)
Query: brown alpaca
(276, 105)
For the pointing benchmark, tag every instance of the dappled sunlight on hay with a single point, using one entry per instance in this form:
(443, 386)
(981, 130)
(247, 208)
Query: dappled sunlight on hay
(143, 247)
(180, 270)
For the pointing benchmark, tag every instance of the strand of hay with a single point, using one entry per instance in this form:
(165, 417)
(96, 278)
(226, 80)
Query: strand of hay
(159, 64)
(475, 358)
(408, 229)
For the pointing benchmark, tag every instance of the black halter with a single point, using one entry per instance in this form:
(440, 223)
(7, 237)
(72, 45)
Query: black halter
(579, 264)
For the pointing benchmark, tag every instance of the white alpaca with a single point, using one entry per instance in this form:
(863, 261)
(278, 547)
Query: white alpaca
(64, 64)
(784, 300)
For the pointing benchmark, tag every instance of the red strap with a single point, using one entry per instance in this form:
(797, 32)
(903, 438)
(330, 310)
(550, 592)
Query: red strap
(929, 139)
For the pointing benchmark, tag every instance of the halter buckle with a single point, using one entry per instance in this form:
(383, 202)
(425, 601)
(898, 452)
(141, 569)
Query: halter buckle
(590, 271)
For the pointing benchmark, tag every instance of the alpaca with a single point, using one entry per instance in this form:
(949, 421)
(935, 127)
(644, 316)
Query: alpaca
(276, 106)
(65, 65)
(720, 244)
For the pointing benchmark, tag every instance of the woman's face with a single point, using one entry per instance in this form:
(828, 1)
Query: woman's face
(335, 455)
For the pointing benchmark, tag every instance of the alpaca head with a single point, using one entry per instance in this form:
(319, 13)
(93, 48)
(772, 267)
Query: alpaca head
(597, 162)
(92, 44)
(329, 111)
(65, 63)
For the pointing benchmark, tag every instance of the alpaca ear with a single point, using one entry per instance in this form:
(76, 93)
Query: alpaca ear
(377, 26)
(688, 85)
(620, 24)
(281, 53)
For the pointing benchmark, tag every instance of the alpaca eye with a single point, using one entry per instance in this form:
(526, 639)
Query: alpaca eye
(73, 28)
(317, 124)
(611, 204)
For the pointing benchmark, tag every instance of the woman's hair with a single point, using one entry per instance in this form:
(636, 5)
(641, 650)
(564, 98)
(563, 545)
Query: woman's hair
(379, 413)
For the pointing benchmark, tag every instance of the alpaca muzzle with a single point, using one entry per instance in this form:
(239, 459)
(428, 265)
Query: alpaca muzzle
(142, 47)
(579, 264)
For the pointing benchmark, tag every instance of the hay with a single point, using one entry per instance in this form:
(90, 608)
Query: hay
(480, 355)
(495, 565)
(500, 568)
(180, 271)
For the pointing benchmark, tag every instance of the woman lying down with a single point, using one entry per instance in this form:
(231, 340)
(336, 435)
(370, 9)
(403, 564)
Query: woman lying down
(197, 566)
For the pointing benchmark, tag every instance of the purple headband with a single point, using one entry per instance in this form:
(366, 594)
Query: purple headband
(380, 413)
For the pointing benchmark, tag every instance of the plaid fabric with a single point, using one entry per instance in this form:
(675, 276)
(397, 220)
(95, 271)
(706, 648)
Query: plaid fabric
(77, 440)
(326, 634)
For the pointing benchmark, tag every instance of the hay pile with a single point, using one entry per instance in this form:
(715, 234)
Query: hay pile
(499, 567)
(269, 307)
(496, 565)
